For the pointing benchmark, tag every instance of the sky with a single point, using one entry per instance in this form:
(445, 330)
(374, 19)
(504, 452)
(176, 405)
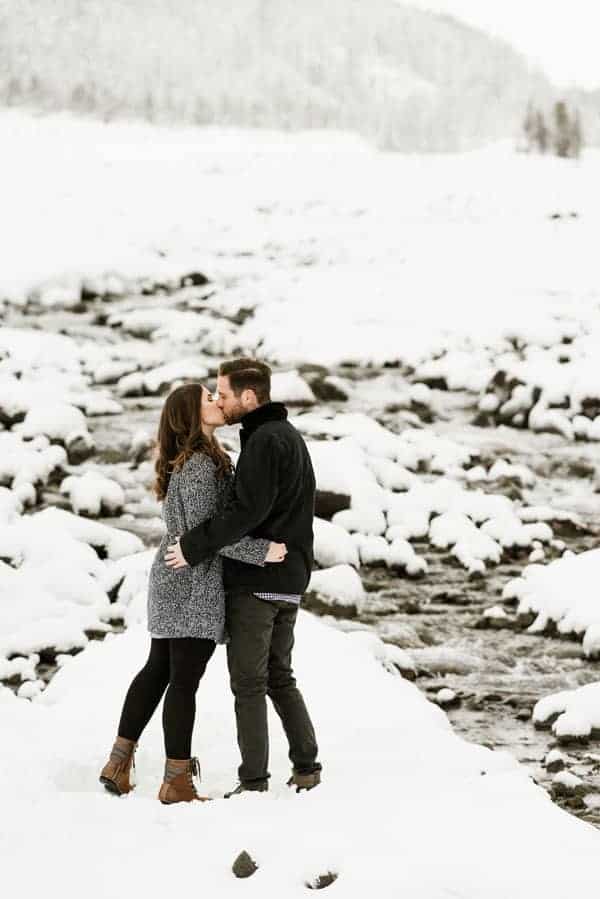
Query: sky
(560, 35)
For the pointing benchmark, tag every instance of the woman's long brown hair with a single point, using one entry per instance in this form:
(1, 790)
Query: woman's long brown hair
(180, 435)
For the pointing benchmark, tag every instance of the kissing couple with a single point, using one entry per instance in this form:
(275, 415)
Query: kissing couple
(232, 567)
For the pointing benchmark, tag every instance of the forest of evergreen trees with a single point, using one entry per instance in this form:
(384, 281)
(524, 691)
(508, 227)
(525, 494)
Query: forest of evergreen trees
(559, 133)
(405, 78)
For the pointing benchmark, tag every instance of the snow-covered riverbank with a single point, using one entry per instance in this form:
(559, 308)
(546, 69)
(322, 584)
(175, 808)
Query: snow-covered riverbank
(405, 804)
(319, 251)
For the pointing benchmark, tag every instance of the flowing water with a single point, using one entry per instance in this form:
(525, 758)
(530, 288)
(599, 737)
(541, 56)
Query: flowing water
(497, 674)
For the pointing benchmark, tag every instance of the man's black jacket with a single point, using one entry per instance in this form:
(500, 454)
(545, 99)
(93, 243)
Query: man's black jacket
(274, 499)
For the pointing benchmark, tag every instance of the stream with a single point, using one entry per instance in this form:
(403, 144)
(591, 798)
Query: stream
(497, 673)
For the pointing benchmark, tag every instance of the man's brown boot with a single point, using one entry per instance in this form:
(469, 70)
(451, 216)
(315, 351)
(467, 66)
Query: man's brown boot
(178, 784)
(304, 781)
(116, 773)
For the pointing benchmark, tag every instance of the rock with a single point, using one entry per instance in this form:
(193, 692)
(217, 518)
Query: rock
(447, 698)
(327, 504)
(523, 715)
(194, 279)
(322, 881)
(244, 865)
(566, 785)
(555, 761)
(79, 448)
(336, 591)
(326, 390)
(495, 618)
(289, 387)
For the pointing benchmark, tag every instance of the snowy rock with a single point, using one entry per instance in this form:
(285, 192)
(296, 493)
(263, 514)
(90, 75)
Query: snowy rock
(337, 590)
(364, 520)
(58, 421)
(93, 494)
(565, 784)
(334, 545)
(322, 880)
(291, 388)
(562, 594)
(112, 371)
(372, 550)
(555, 761)
(10, 506)
(574, 715)
(402, 555)
(329, 389)
(30, 689)
(496, 618)
(158, 380)
(57, 294)
(447, 698)
(112, 542)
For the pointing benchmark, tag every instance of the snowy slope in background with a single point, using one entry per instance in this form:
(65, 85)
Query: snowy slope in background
(405, 807)
(408, 78)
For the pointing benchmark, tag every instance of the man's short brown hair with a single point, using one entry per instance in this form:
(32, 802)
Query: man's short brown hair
(248, 374)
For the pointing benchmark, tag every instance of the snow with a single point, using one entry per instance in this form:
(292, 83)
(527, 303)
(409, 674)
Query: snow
(58, 421)
(572, 714)
(92, 493)
(332, 276)
(416, 776)
(290, 387)
(155, 380)
(340, 585)
(333, 545)
(563, 592)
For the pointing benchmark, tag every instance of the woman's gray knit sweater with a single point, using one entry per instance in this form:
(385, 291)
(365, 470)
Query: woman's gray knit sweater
(190, 602)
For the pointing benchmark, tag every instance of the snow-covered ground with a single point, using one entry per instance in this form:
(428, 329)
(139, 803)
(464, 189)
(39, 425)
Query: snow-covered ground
(405, 806)
(465, 268)
(467, 281)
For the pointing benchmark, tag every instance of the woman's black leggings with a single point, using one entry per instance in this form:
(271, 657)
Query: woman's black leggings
(175, 666)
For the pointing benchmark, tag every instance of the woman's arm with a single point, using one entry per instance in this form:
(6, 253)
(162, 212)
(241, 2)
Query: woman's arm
(252, 550)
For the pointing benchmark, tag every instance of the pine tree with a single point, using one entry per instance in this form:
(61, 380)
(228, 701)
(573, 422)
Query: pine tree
(562, 130)
(529, 127)
(541, 135)
(576, 136)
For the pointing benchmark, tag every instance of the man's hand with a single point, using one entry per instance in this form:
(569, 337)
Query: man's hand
(174, 557)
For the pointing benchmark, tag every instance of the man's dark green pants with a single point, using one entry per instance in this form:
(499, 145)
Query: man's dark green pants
(259, 655)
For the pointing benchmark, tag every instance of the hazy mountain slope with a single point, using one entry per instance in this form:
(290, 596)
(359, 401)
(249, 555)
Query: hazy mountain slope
(408, 78)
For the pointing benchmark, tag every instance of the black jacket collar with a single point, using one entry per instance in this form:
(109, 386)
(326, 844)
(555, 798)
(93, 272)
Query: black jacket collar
(267, 412)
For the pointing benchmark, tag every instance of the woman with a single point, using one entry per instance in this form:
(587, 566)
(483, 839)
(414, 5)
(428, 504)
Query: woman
(186, 608)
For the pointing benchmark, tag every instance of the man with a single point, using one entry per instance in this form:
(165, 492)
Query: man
(274, 498)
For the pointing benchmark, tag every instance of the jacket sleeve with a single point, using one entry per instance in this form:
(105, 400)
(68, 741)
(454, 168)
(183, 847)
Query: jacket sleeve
(255, 491)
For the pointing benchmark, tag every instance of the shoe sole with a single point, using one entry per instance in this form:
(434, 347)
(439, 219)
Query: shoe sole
(111, 787)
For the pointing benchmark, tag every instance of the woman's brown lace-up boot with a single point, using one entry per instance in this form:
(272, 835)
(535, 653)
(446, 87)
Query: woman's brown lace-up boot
(178, 784)
(116, 773)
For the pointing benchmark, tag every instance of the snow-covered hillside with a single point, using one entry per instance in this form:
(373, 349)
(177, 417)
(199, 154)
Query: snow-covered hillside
(405, 77)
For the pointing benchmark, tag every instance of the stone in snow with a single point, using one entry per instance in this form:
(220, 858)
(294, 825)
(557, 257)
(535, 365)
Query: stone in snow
(290, 387)
(334, 545)
(338, 588)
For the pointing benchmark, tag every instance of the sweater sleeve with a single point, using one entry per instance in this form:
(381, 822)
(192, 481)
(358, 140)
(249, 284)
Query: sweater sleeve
(252, 550)
(255, 491)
